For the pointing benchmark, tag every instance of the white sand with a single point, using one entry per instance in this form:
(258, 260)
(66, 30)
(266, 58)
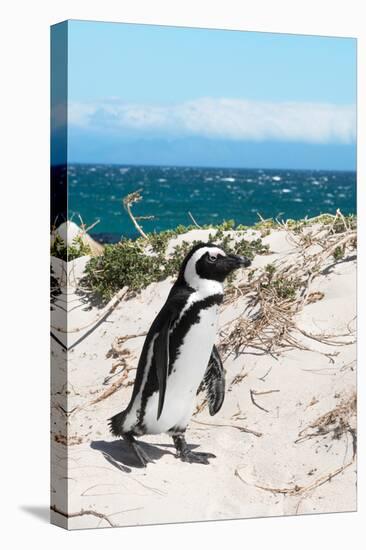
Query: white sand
(237, 483)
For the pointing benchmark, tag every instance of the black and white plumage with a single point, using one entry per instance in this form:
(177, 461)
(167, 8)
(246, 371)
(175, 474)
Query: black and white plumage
(179, 355)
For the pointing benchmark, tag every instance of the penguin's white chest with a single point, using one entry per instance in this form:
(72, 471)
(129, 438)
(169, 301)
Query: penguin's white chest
(186, 375)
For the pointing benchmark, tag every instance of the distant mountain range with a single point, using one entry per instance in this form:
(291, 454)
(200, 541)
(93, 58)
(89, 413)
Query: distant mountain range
(86, 147)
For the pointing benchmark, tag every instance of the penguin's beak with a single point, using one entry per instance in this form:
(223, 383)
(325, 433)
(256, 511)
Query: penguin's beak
(240, 261)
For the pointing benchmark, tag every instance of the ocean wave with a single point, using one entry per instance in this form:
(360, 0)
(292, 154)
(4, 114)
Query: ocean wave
(204, 191)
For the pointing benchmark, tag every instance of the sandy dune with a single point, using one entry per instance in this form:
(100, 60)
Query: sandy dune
(269, 460)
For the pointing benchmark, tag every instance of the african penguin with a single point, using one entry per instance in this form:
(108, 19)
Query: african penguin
(179, 355)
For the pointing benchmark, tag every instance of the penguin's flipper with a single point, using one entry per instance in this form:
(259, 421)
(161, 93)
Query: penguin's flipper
(164, 322)
(214, 382)
(161, 353)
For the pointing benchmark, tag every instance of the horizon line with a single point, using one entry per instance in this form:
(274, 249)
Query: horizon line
(144, 165)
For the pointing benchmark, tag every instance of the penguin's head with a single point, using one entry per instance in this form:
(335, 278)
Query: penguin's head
(207, 261)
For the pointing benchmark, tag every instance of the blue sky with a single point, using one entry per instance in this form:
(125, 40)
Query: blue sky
(135, 91)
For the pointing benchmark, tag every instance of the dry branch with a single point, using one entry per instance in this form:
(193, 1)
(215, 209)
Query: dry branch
(277, 293)
(252, 393)
(193, 220)
(240, 428)
(83, 513)
(336, 422)
(112, 389)
(297, 490)
(130, 199)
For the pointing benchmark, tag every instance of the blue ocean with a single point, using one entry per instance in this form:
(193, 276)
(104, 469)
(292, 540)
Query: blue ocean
(211, 195)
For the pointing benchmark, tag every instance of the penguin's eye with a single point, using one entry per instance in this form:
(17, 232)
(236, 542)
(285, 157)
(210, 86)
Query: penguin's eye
(212, 259)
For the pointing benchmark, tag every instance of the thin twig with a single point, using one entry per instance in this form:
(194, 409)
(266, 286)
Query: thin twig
(193, 220)
(240, 428)
(99, 316)
(130, 199)
(84, 513)
(252, 393)
(266, 392)
(297, 490)
(112, 389)
(92, 226)
(262, 378)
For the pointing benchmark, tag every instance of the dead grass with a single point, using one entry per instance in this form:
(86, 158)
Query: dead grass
(336, 423)
(278, 292)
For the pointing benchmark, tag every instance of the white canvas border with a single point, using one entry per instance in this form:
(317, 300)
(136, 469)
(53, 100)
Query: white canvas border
(24, 274)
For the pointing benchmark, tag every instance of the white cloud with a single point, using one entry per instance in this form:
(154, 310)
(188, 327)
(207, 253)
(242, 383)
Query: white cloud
(236, 119)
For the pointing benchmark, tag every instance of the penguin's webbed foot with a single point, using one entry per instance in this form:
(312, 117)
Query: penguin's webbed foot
(195, 458)
(189, 456)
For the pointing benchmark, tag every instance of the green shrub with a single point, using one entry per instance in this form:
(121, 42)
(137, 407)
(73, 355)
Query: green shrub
(137, 263)
(338, 253)
(76, 249)
(284, 288)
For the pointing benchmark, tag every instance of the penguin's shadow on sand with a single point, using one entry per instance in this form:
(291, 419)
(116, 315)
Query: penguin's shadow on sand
(121, 456)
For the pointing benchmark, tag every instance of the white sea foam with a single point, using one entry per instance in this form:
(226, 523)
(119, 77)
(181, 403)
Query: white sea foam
(227, 179)
(286, 190)
(276, 178)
